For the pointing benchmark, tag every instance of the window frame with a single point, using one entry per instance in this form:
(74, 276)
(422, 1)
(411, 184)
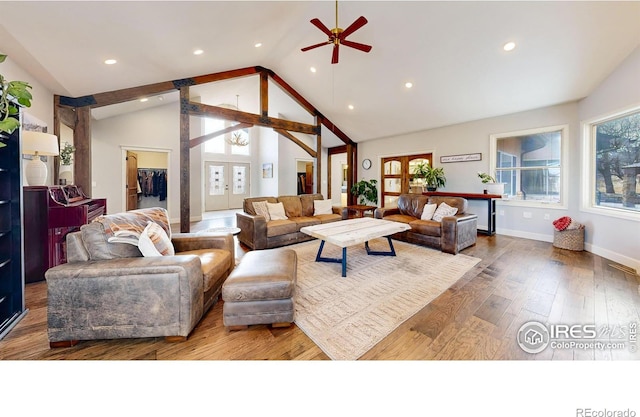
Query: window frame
(564, 164)
(588, 171)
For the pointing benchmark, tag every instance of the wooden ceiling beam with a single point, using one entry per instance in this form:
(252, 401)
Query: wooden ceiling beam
(202, 139)
(297, 141)
(200, 109)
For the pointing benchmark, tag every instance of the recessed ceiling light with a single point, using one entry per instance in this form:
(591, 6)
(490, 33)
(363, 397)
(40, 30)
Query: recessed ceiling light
(258, 45)
(408, 84)
(198, 52)
(509, 46)
(160, 98)
(313, 69)
(110, 61)
(144, 100)
(350, 106)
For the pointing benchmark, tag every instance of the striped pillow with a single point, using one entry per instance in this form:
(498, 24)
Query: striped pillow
(155, 242)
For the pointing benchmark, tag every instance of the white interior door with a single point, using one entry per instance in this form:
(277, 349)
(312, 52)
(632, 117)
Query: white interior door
(226, 185)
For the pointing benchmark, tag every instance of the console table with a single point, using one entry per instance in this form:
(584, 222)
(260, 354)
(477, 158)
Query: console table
(491, 206)
(360, 209)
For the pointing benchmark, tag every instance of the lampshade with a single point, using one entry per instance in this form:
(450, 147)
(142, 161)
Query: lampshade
(38, 143)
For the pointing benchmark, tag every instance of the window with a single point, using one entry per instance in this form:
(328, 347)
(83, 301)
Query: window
(530, 164)
(217, 144)
(613, 145)
(220, 144)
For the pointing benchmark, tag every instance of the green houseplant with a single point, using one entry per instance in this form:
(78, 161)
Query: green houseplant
(66, 153)
(493, 187)
(365, 191)
(9, 91)
(433, 177)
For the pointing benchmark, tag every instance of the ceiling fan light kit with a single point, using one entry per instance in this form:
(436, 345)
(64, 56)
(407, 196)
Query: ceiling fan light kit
(338, 36)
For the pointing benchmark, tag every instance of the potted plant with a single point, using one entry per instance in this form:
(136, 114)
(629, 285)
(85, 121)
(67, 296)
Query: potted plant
(66, 153)
(433, 177)
(10, 91)
(493, 187)
(365, 191)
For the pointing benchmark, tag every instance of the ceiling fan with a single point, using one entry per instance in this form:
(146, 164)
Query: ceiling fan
(338, 36)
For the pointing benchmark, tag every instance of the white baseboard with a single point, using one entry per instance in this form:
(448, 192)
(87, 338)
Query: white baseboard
(605, 253)
(525, 235)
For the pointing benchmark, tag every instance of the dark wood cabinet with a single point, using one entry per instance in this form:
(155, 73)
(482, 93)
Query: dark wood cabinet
(51, 213)
(12, 307)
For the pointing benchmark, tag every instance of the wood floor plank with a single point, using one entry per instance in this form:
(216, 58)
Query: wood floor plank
(477, 318)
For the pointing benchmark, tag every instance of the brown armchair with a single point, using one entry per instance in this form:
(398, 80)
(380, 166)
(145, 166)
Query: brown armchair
(109, 290)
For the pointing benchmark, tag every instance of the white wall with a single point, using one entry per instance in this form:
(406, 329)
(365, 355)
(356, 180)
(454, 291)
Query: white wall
(473, 137)
(156, 129)
(288, 153)
(612, 237)
(41, 104)
(268, 153)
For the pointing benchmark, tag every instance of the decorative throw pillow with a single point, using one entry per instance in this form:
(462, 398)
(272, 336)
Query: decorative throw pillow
(444, 210)
(155, 242)
(261, 209)
(276, 211)
(322, 207)
(427, 212)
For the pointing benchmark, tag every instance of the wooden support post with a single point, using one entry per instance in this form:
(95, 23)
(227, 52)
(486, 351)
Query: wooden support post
(264, 94)
(351, 174)
(185, 194)
(82, 157)
(319, 155)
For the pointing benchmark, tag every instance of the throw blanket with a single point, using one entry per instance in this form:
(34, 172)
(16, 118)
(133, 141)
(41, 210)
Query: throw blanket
(126, 227)
(566, 223)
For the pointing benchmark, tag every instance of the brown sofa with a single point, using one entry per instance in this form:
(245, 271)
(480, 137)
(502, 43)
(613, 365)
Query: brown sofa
(451, 235)
(109, 290)
(257, 233)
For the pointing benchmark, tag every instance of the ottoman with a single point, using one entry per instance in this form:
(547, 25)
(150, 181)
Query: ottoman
(260, 290)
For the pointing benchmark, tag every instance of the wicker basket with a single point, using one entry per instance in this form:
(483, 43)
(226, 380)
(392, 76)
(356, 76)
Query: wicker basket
(572, 239)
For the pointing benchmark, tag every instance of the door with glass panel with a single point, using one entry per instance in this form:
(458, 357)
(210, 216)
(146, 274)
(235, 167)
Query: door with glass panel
(397, 177)
(226, 185)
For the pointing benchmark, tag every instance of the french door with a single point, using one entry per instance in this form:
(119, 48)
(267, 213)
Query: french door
(397, 177)
(226, 185)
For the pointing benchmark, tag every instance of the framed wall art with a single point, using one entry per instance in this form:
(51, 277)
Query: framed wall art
(468, 157)
(267, 170)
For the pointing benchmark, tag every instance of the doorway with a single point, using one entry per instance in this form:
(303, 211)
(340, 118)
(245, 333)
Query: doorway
(397, 177)
(226, 184)
(146, 179)
(304, 169)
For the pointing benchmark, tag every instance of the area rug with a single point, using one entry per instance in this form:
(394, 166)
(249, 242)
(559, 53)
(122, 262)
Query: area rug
(347, 316)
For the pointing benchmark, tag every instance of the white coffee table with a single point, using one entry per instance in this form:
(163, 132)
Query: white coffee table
(351, 232)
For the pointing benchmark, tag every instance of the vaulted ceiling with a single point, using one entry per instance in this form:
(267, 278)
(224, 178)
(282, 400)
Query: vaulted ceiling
(450, 51)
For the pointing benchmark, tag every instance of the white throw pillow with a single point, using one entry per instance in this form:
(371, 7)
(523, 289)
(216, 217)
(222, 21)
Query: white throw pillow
(444, 210)
(276, 211)
(427, 212)
(154, 241)
(261, 209)
(322, 207)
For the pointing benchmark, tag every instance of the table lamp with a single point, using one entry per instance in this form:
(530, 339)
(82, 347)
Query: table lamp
(38, 144)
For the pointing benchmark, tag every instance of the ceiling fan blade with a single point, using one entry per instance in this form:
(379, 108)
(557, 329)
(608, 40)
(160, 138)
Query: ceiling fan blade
(360, 46)
(316, 46)
(334, 57)
(317, 23)
(361, 21)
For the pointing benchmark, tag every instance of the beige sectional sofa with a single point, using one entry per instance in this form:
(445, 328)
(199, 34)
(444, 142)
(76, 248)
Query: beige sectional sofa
(258, 233)
(451, 234)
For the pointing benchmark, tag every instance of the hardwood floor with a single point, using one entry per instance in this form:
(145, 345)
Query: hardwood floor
(477, 318)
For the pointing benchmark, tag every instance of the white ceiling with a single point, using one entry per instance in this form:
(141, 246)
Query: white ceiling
(451, 51)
